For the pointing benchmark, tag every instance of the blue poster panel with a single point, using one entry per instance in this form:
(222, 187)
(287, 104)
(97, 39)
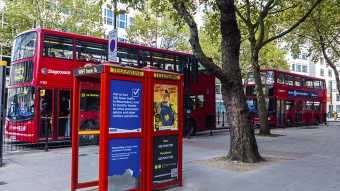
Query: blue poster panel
(124, 164)
(125, 106)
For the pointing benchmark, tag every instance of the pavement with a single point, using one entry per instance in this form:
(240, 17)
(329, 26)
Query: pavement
(311, 162)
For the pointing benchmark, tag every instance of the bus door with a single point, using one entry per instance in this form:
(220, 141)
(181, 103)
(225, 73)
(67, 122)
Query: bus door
(298, 111)
(63, 114)
(46, 113)
(280, 113)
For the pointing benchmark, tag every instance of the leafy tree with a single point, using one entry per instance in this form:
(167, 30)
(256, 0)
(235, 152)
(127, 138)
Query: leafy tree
(260, 18)
(78, 16)
(321, 32)
(243, 146)
(271, 56)
(148, 29)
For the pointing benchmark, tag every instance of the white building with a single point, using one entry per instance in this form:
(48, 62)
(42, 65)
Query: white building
(303, 64)
(123, 20)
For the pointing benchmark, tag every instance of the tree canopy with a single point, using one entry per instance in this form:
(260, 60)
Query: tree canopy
(321, 35)
(159, 31)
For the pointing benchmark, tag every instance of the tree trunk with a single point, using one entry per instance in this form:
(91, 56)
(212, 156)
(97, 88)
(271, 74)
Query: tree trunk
(243, 146)
(261, 97)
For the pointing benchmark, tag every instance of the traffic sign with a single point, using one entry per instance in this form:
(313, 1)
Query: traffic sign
(112, 50)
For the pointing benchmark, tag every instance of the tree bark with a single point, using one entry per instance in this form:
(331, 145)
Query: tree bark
(260, 95)
(243, 146)
(328, 59)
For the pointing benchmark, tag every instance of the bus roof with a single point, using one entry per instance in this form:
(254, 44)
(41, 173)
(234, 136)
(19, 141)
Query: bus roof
(291, 73)
(104, 41)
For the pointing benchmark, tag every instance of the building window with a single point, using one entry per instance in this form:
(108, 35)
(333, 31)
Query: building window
(322, 72)
(329, 73)
(321, 61)
(122, 20)
(337, 97)
(122, 39)
(298, 68)
(330, 108)
(337, 108)
(304, 69)
(108, 17)
(218, 88)
(304, 56)
(131, 20)
(330, 85)
(293, 67)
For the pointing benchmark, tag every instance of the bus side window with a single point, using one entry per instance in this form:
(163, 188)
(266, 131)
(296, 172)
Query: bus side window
(281, 79)
(90, 51)
(289, 105)
(128, 57)
(309, 83)
(289, 80)
(200, 101)
(58, 47)
(317, 84)
(297, 81)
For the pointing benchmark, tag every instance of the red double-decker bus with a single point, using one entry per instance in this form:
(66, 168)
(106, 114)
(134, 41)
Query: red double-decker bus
(292, 99)
(41, 80)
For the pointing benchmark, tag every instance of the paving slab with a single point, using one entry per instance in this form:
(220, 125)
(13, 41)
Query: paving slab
(310, 161)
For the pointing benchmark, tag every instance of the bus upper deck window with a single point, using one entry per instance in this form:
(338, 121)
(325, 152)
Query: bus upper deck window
(270, 77)
(317, 84)
(24, 46)
(309, 83)
(281, 79)
(90, 51)
(251, 79)
(58, 47)
(297, 81)
(289, 80)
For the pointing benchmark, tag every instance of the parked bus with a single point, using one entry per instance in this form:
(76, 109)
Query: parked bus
(40, 84)
(292, 99)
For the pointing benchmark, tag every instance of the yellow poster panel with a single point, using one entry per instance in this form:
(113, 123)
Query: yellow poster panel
(165, 107)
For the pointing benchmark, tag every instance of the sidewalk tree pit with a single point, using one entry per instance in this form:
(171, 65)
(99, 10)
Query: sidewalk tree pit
(140, 128)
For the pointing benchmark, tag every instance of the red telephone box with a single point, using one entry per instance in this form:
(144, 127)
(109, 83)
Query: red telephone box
(140, 134)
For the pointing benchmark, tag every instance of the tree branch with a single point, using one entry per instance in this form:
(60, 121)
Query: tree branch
(301, 20)
(260, 22)
(282, 10)
(247, 22)
(179, 6)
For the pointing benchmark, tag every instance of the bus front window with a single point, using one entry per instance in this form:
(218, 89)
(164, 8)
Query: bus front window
(20, 103)
(24, 46)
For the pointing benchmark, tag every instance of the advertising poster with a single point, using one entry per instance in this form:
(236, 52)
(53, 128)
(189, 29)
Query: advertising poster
(165, 158)
(125, 106)
(124, 164)
(165, 107)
